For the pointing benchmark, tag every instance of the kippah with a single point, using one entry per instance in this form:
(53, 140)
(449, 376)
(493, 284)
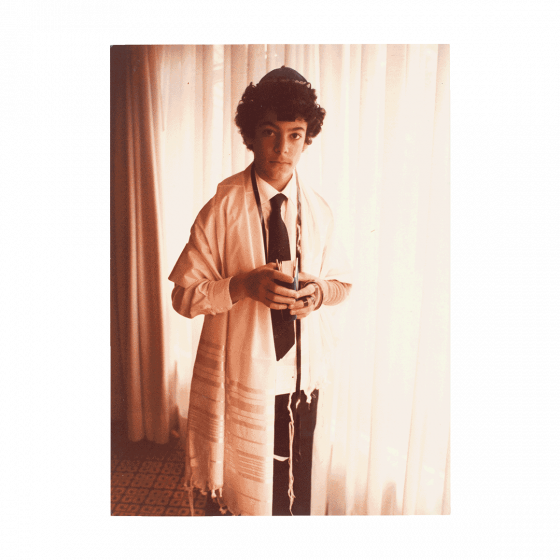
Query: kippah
(283, 73)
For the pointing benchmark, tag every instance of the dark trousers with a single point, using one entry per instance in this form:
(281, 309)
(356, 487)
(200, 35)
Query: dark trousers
(305, 420)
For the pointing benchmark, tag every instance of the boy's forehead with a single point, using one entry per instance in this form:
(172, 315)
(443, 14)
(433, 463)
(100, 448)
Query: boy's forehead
(270, 117)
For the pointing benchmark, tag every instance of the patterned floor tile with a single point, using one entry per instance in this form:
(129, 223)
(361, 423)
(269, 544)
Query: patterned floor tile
(199, 500)
(122, 479)
(158, 497)
(142, 480)
(169, 482)
(126, 509)
(118, 510)
(147, 479)
(153, 467)
(134, 496)
(152, 510)
(128, 466)
(117, 493)
(174, 468)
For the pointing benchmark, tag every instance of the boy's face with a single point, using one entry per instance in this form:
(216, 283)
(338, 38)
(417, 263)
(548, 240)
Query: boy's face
(277, 146)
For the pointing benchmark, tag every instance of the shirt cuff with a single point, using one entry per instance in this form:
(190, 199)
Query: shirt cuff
(324, 285)
(334, 291)
(218, 294)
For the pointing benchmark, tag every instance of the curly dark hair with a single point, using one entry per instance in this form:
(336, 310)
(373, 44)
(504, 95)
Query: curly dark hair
(290, 100)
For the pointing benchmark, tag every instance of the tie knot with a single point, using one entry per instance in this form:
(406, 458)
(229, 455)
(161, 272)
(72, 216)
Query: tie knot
(276, 202)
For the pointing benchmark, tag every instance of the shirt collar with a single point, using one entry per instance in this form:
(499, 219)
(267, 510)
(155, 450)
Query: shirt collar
(266, 191)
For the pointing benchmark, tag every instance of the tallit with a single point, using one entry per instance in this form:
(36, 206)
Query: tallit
(230, 428)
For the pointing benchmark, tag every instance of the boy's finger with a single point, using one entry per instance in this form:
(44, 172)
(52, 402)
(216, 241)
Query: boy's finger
(277, 275)
(281, 290)
(306, 291)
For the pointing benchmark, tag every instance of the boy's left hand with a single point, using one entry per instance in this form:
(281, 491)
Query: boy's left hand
(307, 298)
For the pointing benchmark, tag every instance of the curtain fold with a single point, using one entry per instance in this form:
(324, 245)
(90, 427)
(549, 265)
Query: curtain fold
(137, 265)
(382, 164)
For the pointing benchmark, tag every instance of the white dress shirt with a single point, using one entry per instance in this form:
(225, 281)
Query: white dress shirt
(286, 371)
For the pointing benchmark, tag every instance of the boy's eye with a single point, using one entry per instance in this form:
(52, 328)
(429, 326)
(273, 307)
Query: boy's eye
(268, 132)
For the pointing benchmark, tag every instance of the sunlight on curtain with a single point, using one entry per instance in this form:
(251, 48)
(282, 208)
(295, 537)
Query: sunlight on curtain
(382, 164)
(391, 409)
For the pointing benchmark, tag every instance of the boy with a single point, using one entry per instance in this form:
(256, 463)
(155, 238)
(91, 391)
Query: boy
(254, 392)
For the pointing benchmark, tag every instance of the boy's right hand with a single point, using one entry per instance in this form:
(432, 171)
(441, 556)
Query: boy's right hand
(260, 285)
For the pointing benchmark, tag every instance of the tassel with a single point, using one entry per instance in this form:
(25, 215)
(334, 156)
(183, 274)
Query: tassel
(217, 496)
(290, 459)
(190, 489)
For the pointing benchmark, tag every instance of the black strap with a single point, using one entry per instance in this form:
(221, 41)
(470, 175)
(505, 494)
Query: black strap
(298, 322)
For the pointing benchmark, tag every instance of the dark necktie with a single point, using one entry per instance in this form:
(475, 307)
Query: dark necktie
(279, 249)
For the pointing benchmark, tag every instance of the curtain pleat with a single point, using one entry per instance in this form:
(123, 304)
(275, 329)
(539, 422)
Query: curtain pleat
(382, 163)
(239, 68)
(229, 126)
(139, 241)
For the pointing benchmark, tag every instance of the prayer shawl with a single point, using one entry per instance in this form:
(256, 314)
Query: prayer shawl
(230, 427)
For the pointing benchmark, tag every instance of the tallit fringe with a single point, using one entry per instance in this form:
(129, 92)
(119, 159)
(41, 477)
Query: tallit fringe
(219, 499)
(190, 489)
(216, 495)
(291, 494)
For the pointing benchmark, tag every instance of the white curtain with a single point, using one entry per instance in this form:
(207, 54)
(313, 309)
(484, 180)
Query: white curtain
(382, 163)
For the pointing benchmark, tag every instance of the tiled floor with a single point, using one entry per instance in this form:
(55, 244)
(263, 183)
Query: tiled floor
(147, 479)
